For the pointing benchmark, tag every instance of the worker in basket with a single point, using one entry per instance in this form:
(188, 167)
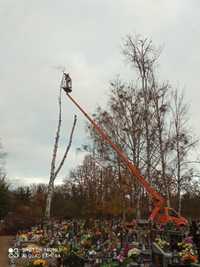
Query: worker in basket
(66, 84)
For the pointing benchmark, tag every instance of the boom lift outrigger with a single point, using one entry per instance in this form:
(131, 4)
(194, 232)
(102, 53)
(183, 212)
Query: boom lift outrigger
(160, 213)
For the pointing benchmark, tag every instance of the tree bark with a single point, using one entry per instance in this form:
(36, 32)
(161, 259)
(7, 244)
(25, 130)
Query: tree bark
(54, 172)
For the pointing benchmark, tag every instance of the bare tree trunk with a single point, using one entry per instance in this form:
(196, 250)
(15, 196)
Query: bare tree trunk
(54, 172)
(49, 200)
(179, 201)
(178, 173)
(160, 122)
(138, 206)
(182, 142)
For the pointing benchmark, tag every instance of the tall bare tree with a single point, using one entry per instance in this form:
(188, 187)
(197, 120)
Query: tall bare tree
(143, 56)
(182, 143)
(160, 96)
(55, 170)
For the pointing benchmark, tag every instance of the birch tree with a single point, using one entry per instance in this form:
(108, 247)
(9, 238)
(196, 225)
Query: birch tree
(54, 170)
(182, 144)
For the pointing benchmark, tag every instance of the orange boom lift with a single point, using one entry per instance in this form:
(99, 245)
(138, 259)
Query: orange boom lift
(160, 213)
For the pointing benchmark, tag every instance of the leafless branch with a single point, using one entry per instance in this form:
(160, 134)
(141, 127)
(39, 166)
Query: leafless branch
(67, 149)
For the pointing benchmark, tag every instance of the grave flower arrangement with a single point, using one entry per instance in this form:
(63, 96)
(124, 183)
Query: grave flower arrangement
(132, 256)
(63, 249)
(86, 241)
(189, 258)
(187, 252)
(37, 263)
(99, 243)
(23, 237)
(163, 244)
(44, 240)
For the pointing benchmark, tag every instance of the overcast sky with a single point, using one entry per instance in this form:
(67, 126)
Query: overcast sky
(41, 37)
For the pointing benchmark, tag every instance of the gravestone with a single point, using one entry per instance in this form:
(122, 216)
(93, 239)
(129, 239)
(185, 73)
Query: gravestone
(159, 257)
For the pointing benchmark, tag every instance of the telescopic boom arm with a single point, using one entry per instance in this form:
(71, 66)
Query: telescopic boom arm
(156, 197)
